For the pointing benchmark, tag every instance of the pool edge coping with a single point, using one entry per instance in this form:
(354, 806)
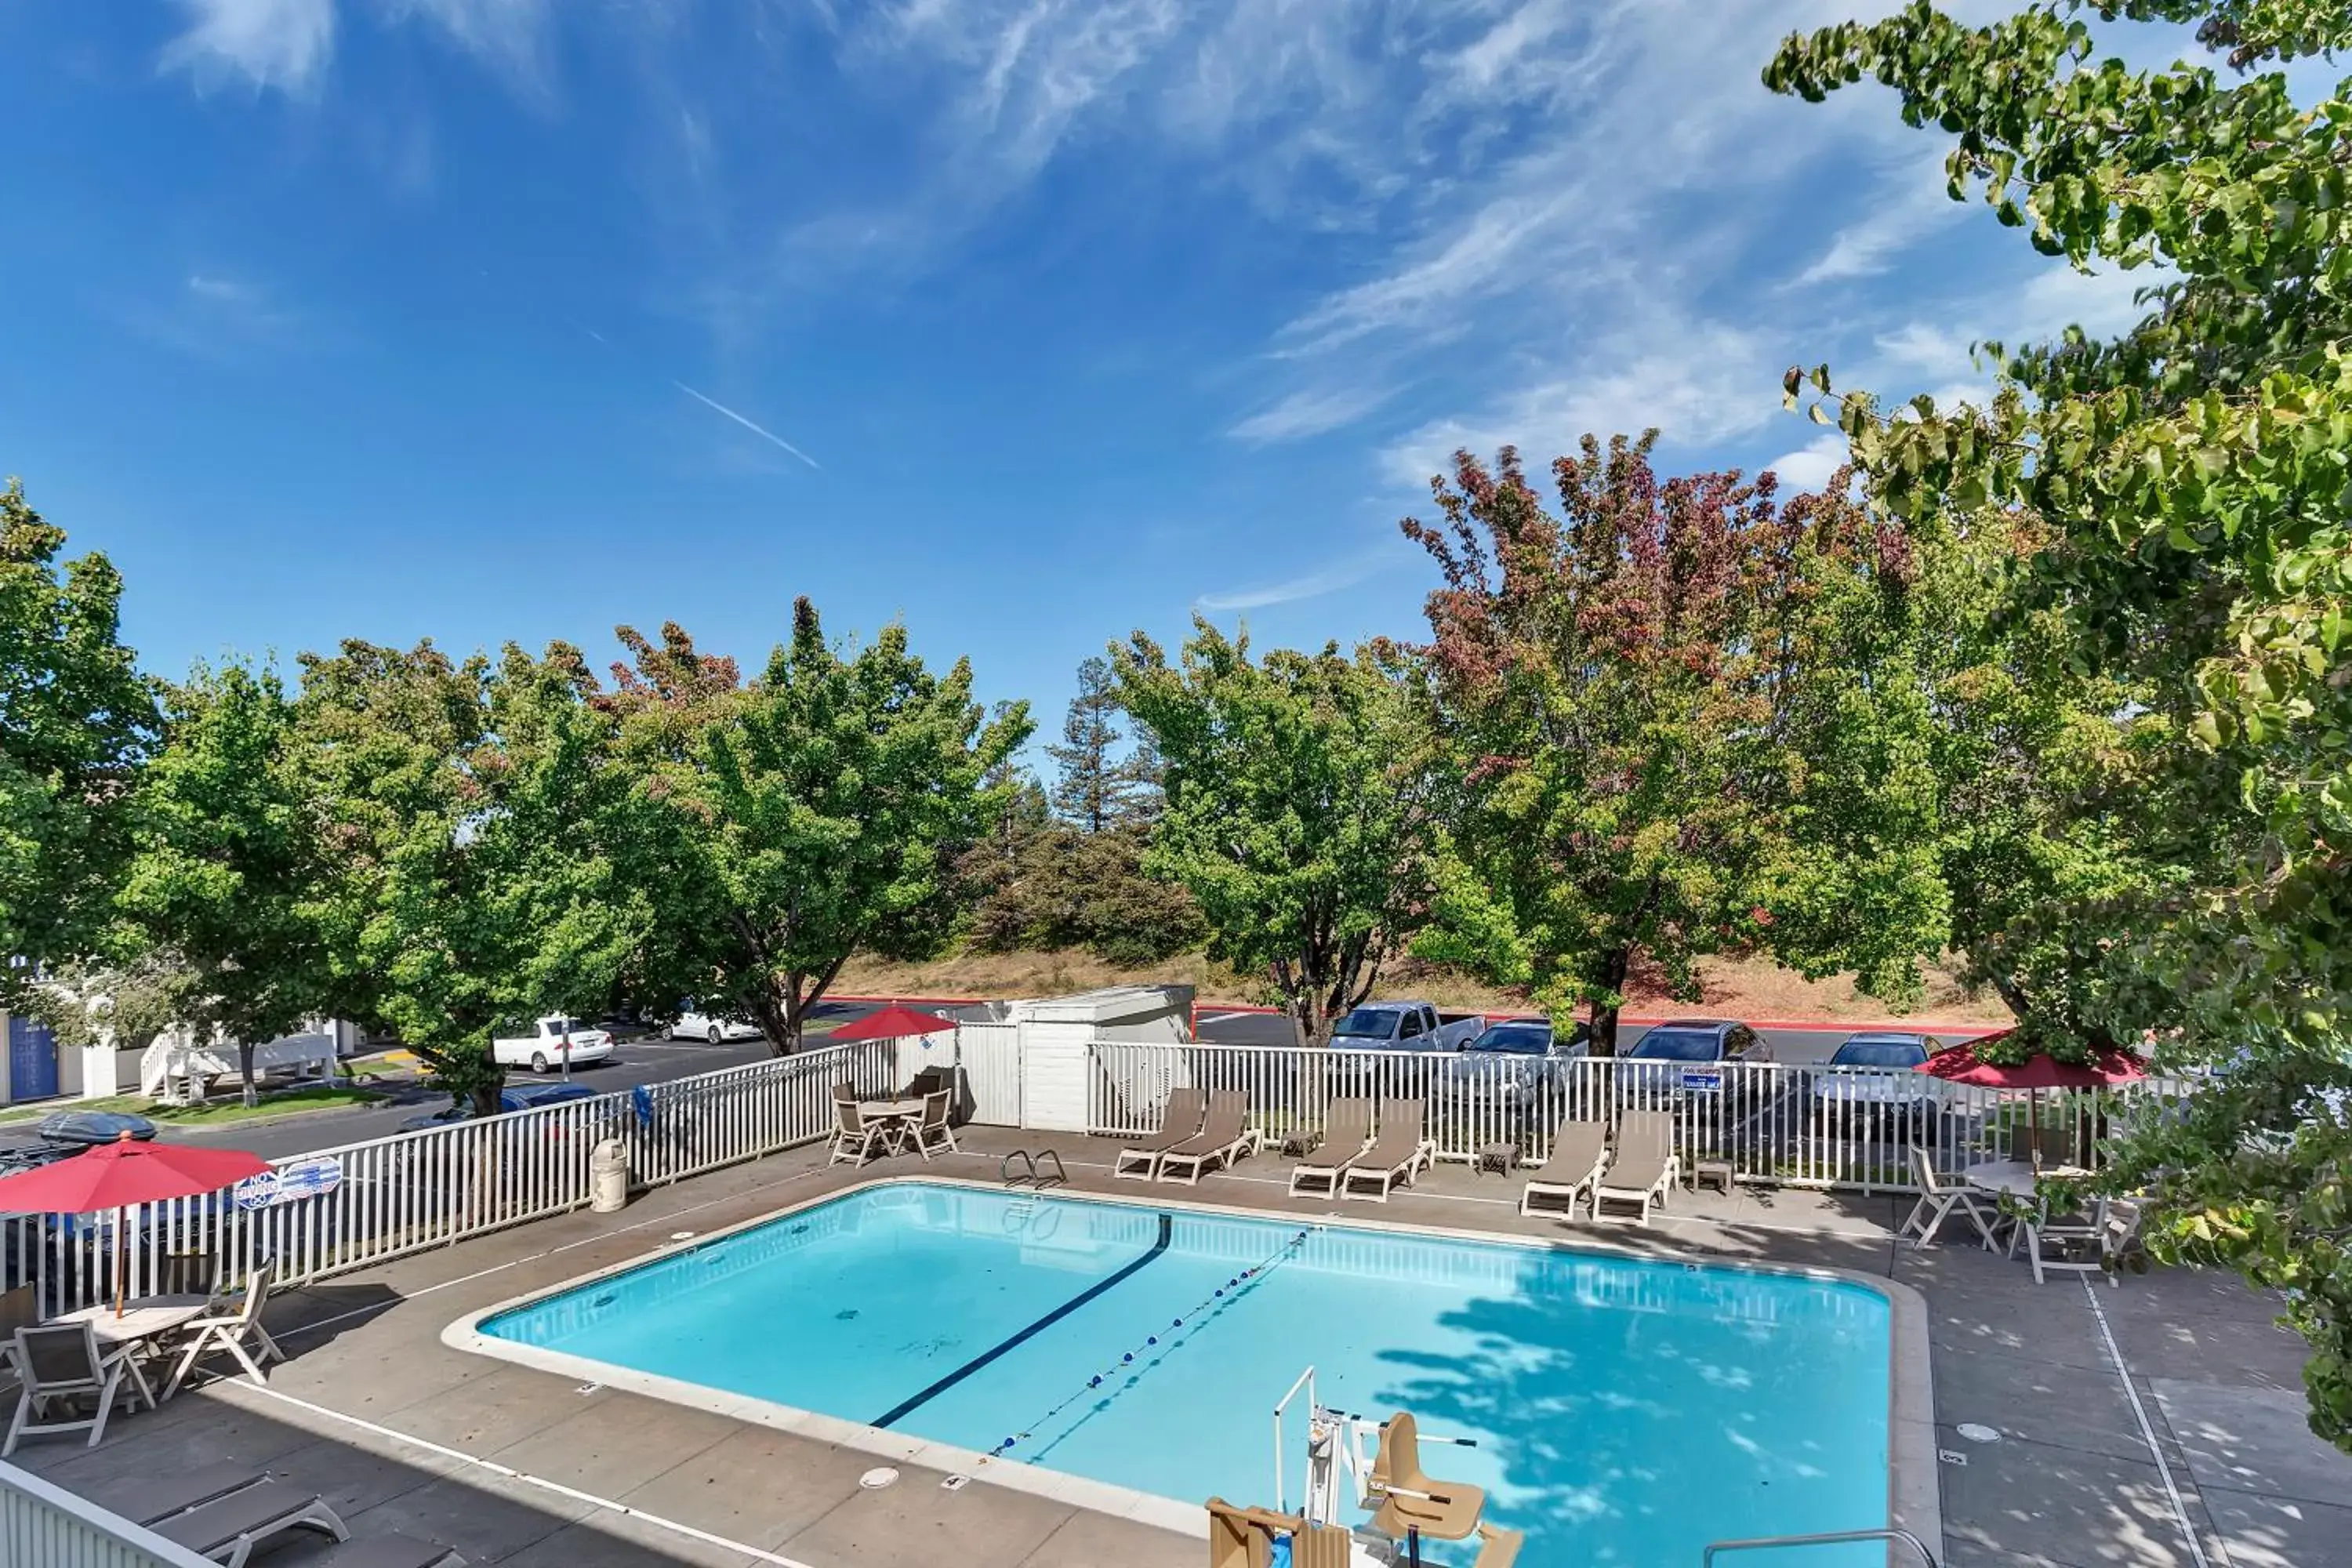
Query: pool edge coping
(1915, 1493)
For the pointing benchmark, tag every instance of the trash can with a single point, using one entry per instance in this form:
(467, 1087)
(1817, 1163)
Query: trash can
(608, 1177)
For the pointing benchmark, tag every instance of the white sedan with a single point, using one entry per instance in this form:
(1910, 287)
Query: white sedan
(713, 1028)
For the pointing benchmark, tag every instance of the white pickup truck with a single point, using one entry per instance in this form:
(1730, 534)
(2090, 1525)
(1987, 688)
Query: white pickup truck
(547, 1043)
(1406, 1027)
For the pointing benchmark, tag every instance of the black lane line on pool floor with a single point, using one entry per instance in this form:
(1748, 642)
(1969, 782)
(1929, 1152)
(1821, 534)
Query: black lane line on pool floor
(907, 1406)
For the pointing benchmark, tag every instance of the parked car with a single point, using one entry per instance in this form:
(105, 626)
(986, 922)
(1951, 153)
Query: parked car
(1893, 1091)
(545, 1043)
(528, 1097)
(1683, 1059)
(713, 1028)
(1406, 1027)
(62, 1134)
(1519, 1058)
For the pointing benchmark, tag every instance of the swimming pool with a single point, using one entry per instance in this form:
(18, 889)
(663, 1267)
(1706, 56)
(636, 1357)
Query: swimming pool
(1624, 1410)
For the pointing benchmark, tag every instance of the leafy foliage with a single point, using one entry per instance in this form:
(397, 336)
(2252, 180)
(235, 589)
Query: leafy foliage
(228, 872)
(1300, 809)
(814, 812)
(76, 719)
(470, 808)
(1624, 690)
(2192, 478)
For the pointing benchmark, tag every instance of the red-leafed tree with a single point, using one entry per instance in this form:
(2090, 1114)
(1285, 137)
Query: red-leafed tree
(1628, 690)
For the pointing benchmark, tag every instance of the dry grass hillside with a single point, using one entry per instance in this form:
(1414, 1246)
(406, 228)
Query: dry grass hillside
(1745, 988)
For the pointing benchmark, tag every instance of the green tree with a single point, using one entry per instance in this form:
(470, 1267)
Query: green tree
(1636, 695)
(2191, 476)
(1299, 810)
(76, 721)
(815, 811)
(228, 873)
(472, 810)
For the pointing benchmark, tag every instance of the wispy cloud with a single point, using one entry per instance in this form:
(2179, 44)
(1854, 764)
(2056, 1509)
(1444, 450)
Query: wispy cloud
(1314, 584)
(287, 45)
(1910, 203)
(281, 44)
(218, 315)
(756, 429)
(1314, 412)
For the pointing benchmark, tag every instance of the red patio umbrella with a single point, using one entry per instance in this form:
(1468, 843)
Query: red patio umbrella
(893, 1022)
(117, 1174)
(1960, 1064)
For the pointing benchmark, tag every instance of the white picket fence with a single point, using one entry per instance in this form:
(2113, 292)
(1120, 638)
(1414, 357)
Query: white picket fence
(44, 1526)
(1773, 1121)
(424, 1189)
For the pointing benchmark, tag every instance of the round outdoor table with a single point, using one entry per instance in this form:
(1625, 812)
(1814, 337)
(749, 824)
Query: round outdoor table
(893, 1116)
(2015, 1177)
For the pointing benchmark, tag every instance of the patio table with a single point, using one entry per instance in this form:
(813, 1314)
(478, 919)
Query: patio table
(145, 1321)
(2013, 1179)
(893, 1116)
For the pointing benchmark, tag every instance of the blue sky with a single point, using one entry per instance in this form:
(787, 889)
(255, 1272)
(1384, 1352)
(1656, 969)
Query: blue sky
(1029, 322)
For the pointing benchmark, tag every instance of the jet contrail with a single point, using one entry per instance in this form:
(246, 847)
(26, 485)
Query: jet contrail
(764, 433)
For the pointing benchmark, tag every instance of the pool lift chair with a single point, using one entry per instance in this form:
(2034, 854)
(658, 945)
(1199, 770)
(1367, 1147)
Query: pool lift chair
(1358, 1461)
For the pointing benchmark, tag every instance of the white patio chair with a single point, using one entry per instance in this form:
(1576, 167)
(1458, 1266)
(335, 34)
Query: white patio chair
(236, 1333)
(1939, 1195)
(931, 1130)
(855, 1138)
(60, 1364)
(2070, 1243)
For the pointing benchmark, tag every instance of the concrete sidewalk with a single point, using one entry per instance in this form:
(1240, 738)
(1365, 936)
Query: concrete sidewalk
(2155, 1424)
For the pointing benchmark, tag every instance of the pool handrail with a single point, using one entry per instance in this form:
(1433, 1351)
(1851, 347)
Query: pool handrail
(1825, 1538)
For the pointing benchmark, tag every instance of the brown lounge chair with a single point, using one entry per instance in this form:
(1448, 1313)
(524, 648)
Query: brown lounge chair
(1580, 1153)
(1410, 1503)
(1243, 1538)
(1399, 1155)
(1180, 1121)
(1645, 1167)
(1347, 1132)
(1224, 1138)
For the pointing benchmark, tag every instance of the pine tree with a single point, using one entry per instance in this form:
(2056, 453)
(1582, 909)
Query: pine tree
(1090, 791)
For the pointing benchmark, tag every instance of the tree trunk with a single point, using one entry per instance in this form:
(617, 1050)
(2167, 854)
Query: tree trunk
(1609, 977)
(244, 1074)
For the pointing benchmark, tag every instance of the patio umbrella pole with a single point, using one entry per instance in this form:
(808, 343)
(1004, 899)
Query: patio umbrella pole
(122, 1264)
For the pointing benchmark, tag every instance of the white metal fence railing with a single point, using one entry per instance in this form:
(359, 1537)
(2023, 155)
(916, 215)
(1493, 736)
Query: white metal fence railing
(45, 1526)
(395, 1195)
(1773, 1121)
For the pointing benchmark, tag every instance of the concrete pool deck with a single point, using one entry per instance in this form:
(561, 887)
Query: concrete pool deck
(2155, 1424)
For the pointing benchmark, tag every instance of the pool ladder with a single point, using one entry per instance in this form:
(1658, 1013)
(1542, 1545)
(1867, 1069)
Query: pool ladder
(1036, 1178)
(1830, 1538)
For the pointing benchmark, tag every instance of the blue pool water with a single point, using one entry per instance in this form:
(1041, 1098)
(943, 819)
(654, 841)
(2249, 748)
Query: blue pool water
(1625, 1411)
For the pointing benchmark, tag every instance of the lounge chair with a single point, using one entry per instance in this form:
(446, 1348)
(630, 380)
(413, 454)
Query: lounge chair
(1347, 1132)
(228, 1528)
(1179, 1120)
(61, 1363)
(1645, 1167)
(161, 1496)
(1579, 1152)
(236, 1333)
(1408, 1503)
(1400, 1152)
(1243, 1538)
(1939, 1195)
(854, 1137)
(1224, 1138)
(931, 1130)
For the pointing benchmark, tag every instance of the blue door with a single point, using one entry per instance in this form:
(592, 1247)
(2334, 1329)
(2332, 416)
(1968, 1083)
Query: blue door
(32, 1059)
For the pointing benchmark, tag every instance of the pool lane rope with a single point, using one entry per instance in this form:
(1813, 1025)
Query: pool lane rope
(1223, 1296)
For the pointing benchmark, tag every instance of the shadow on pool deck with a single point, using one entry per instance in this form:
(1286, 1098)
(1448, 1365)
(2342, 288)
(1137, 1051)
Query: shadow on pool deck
(512, 1466)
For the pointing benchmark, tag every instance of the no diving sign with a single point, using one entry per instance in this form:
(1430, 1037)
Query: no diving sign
(290, 1182)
